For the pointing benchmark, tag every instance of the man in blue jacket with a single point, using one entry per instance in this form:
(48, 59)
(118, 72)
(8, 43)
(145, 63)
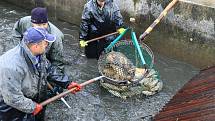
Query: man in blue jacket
(23, 73)
(99, 17)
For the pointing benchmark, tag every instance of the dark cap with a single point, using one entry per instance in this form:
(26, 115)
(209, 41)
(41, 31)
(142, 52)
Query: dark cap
(39, 15)
(36, 35)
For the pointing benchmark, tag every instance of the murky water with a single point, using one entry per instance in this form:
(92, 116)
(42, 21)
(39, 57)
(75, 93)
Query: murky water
(94, 103)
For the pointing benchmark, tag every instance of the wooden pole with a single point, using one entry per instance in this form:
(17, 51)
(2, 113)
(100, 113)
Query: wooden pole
(69, 91)
(94, 39)
(164, 13)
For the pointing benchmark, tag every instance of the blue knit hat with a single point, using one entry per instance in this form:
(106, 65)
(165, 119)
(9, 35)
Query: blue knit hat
(36, 35)
(39, 15)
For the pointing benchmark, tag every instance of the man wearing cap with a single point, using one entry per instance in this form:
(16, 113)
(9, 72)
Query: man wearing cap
(99, 17)
(54, 51)
(23, 73)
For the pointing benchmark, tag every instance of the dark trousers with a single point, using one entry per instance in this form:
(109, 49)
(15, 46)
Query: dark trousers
(8, 113)
(95, 49)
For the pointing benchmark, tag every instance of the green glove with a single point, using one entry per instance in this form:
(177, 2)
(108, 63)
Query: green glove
(121, 30)
(83, 43)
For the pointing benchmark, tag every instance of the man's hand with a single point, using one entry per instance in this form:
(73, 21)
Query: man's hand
(121, 30)
(74, 85)
(83, 43)
(37, 109)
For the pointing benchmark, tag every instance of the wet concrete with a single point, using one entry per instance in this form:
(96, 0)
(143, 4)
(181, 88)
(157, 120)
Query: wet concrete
(94, 103)
(207, 3)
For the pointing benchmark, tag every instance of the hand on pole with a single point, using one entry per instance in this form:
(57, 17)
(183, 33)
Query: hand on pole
(37, 109)
(83, 43)
(74, 85)
(121, 30)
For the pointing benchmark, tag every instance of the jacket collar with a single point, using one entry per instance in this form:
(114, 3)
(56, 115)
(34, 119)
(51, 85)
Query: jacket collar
(27, 51)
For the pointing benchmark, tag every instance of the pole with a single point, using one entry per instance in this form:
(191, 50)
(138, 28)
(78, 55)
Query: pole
(94, 39)
(69, 91)
(62, 99)
(164, 13)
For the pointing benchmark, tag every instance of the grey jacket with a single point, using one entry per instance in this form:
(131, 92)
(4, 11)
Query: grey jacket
(54, 51)
(20, 81)
(100, 22)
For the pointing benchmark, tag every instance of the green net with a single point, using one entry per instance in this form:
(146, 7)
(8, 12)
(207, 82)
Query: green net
(128, 49)
(128, 76)
(128, 68)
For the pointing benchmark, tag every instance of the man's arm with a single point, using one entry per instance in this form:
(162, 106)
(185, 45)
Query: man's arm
(84, 26)
(17, 30)
(118, 19)
(11, 89)
(20, 27)
(55, 53)
(56, 58)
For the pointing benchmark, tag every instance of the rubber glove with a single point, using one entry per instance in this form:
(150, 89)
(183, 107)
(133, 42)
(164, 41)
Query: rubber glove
(37, 109)
(72, 85)
(83, 43)
(121, 30)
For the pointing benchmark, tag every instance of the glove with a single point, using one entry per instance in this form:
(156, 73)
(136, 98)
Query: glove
(83, 43)
(121, 30)
(37, 109)
(72, 85)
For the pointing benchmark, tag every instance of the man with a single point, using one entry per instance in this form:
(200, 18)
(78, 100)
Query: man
(23, 73)
(54, 53)
(99, 17)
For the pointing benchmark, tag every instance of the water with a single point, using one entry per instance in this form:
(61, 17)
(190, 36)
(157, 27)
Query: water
(94, 103)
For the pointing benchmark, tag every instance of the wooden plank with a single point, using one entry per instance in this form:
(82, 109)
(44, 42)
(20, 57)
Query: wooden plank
(194, 102)
(193, 106)
(192, 97)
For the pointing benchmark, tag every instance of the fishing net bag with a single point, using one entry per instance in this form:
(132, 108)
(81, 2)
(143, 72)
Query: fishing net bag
(124, 73)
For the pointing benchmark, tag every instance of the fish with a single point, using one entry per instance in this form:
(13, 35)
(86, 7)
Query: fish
(118, 67)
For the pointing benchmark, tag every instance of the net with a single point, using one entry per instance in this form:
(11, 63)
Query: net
(125, 74)
(122, 64)
(117, 66)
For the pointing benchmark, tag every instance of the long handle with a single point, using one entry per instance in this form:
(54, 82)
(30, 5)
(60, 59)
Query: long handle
(69, 91)
(115, 41)
(98, 38)
(134, 39)
(164, 13)
(94, 39)
(62, 99)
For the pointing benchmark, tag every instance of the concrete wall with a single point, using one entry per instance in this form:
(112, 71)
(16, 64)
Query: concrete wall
(67, 10)
(197, 20)
(190, 17)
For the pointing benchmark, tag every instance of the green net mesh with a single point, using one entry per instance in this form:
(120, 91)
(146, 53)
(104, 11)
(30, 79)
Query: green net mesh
(125, 74)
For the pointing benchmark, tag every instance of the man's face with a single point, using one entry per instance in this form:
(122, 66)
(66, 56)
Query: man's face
(101, 3)
(40, 48)
(43, 25)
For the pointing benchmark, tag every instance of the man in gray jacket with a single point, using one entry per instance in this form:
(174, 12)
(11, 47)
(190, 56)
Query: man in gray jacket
(54, 53)
(23, 73)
